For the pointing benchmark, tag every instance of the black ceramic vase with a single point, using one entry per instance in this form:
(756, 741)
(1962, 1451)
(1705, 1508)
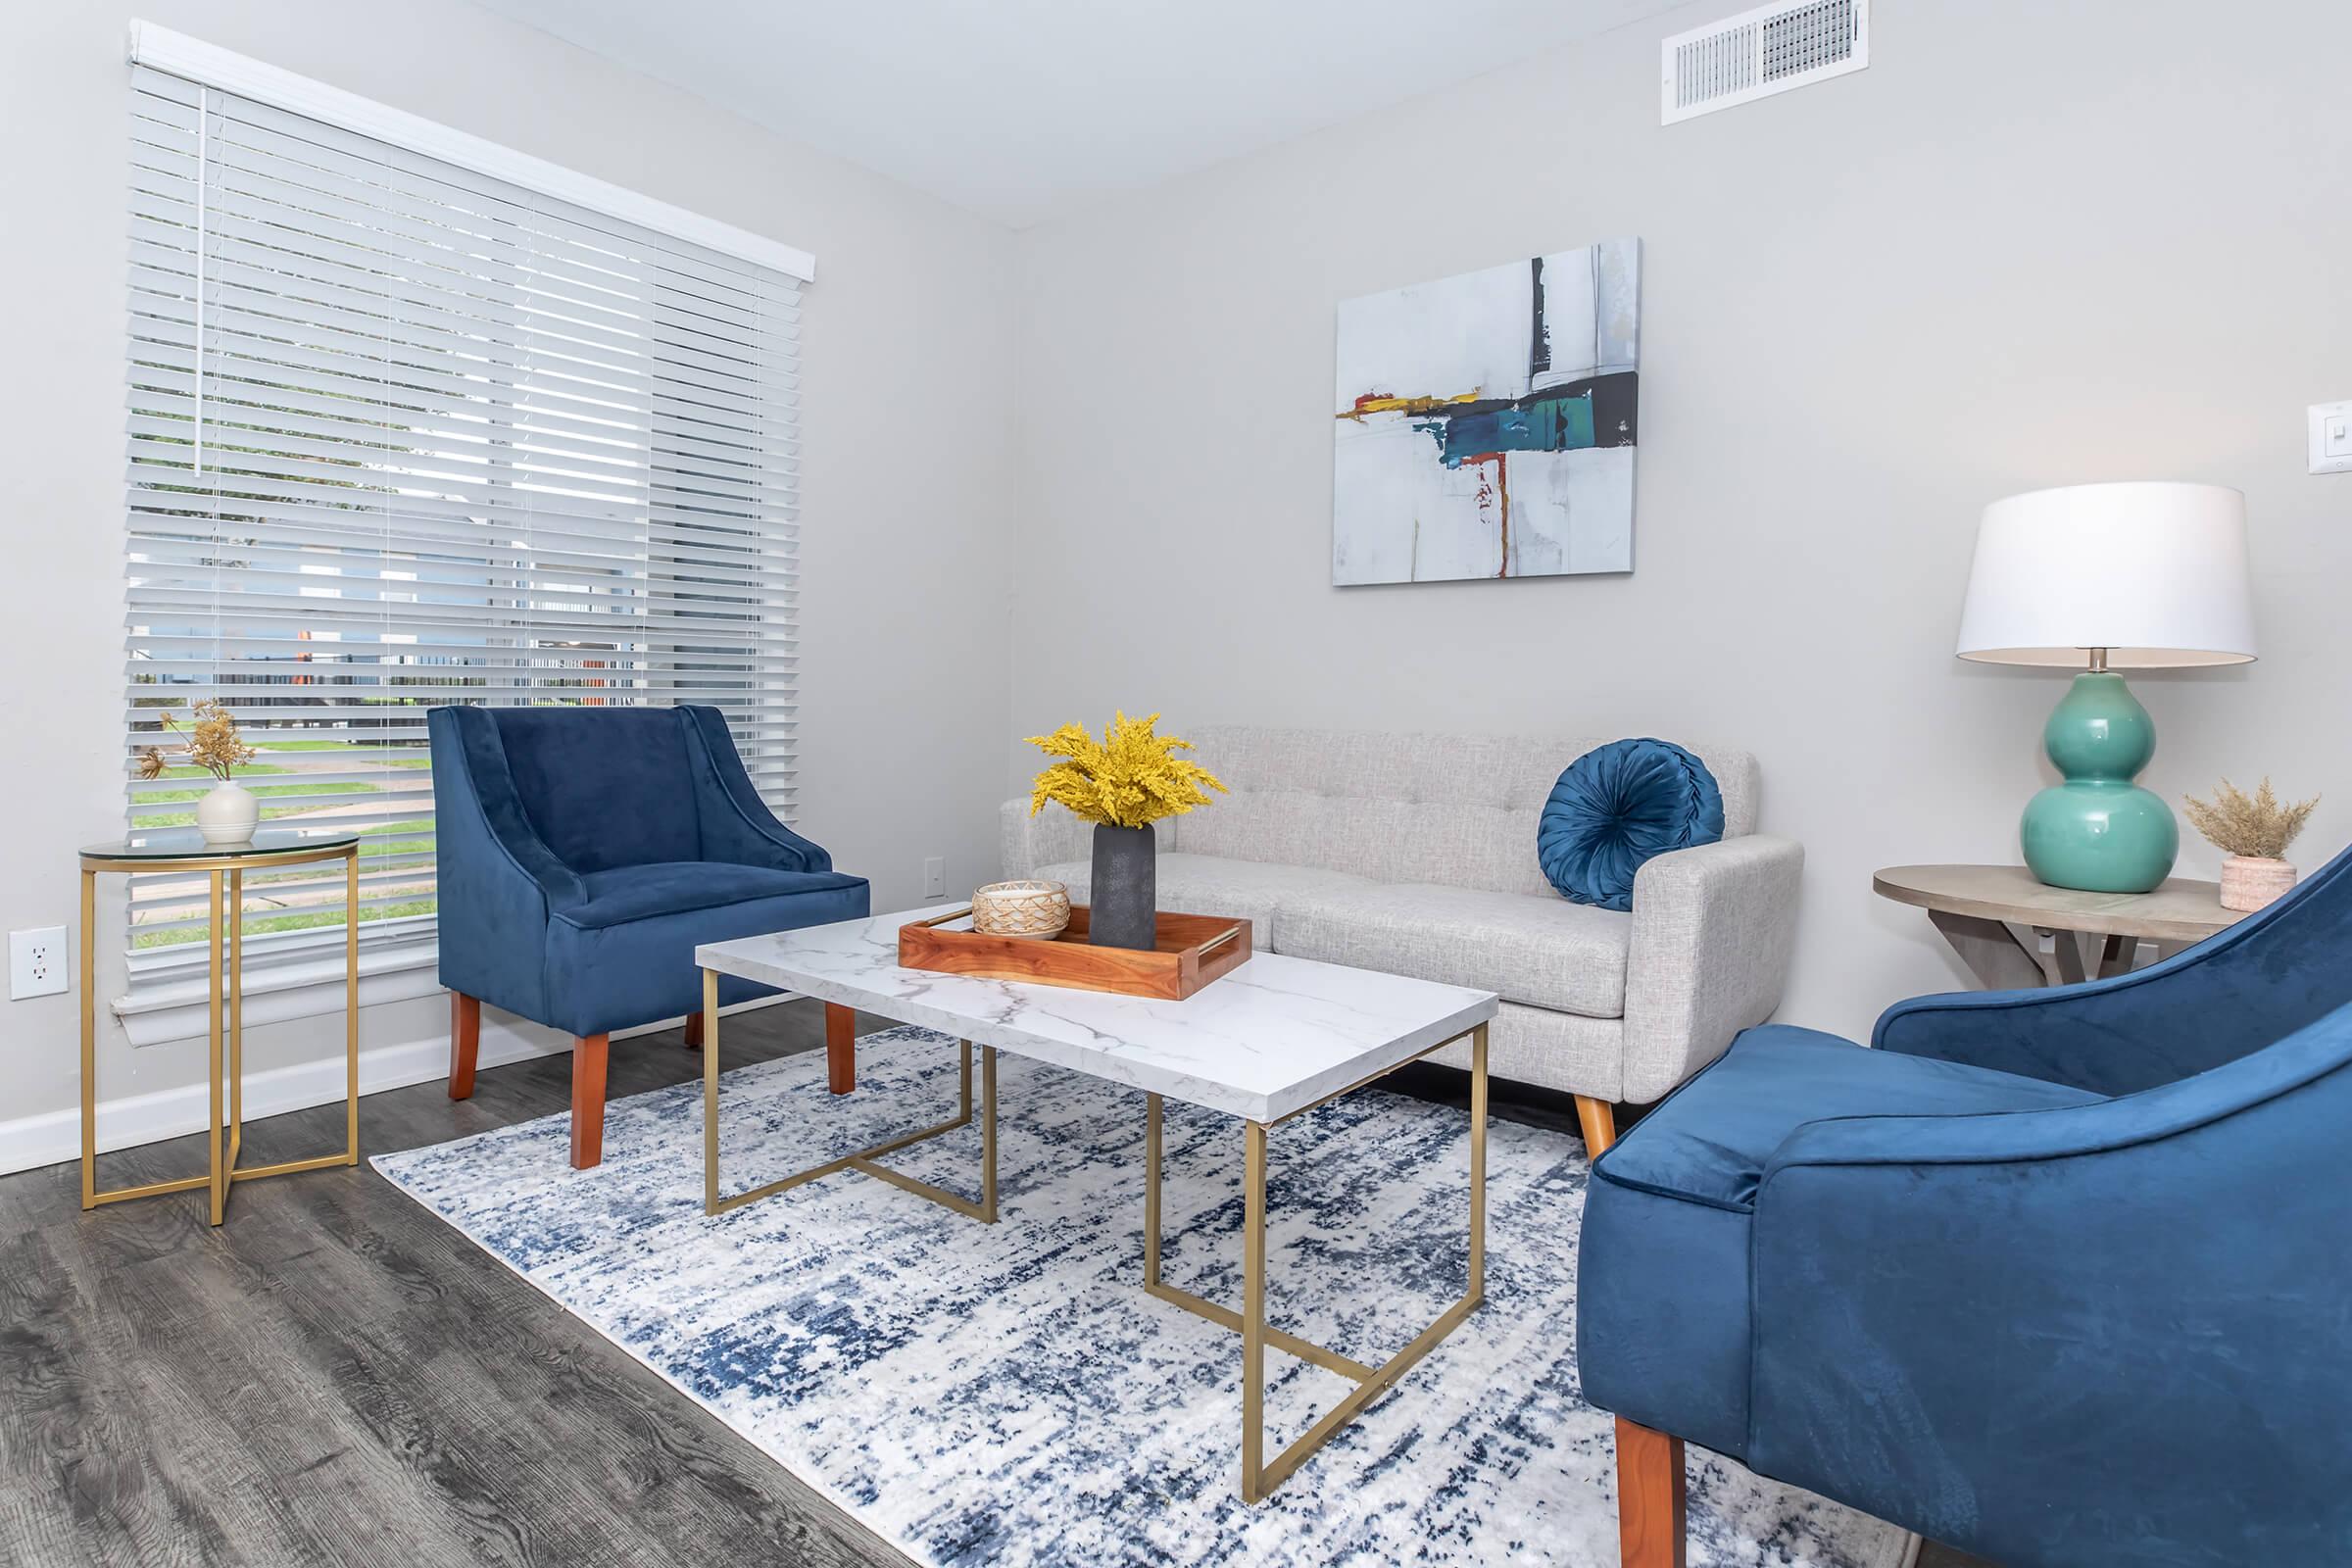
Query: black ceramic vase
(1124, 886)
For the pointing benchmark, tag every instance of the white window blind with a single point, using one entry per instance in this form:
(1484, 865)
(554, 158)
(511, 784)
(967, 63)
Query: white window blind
(402, 434)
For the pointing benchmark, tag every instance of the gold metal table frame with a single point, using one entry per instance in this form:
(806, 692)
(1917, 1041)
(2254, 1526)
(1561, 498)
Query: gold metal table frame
(1259, 1477)
(224, 1018)
(868, 1161)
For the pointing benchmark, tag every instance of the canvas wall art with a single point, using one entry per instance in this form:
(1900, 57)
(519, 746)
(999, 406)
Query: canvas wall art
(1487, 422)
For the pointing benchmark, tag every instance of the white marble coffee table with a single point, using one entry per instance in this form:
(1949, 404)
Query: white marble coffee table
(1273, 1039)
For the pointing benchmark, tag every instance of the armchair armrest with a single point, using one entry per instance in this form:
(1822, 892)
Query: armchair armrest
(1714, 929)
(497, 881)
(1049, 838)
(2063, 1132)
(472, 789)
(737, 827)
(1997, 1329)
(2261, 980)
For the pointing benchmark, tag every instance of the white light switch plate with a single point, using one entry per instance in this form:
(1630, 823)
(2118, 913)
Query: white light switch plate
(2332, 438)
(37, 962)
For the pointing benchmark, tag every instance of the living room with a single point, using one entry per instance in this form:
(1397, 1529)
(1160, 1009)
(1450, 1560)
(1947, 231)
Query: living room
(1673, 562)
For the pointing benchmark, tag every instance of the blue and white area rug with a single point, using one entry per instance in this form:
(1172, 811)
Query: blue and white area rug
(1008, 1395)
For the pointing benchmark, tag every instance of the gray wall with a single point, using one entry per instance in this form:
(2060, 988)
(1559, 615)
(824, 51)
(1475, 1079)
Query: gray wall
(1872, 307)
(902, 537)
(2036, 243)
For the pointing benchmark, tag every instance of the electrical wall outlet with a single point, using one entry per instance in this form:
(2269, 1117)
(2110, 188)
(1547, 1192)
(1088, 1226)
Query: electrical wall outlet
(935, 877)
(2330, 437)
(37, 962)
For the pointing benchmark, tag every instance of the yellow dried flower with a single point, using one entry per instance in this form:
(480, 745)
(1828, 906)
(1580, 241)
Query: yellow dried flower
(2258, 827)
(213, 744)
(1130, 777)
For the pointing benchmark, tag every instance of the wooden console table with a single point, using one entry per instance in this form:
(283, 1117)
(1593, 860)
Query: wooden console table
(1995, 916)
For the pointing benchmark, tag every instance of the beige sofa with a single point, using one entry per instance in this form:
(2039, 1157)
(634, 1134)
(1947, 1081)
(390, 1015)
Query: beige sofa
(1416, 855)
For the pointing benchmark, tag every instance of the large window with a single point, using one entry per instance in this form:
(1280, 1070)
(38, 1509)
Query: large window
(401, 433)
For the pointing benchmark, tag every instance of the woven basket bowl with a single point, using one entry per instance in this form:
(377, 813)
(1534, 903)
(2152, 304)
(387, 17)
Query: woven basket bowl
(2250, 882)
(1024, 909)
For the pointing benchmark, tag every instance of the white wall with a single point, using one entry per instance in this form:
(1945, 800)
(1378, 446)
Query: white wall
(2034, 244)
(904, 489)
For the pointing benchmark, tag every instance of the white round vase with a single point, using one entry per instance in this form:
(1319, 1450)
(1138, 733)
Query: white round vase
(229, 815)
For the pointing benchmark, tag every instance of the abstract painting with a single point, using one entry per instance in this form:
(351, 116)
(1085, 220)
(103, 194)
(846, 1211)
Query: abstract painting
(1487, 422)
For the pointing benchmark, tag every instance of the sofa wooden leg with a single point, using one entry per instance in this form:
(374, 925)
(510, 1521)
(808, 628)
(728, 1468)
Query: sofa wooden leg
(464, 1043)
(1599, 1119)
(1650, 1493)
(694, 1031)
(588, 1101)
(841, 1048)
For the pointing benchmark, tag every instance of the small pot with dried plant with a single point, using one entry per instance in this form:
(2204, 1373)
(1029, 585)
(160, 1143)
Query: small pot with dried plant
(2253, 831)
(1122, 783)
(228, 813)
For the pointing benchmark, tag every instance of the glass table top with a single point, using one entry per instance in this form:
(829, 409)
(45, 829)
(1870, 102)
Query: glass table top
(187, 843)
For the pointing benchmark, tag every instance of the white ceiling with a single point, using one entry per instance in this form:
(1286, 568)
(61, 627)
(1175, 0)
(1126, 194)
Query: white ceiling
(1024, 108)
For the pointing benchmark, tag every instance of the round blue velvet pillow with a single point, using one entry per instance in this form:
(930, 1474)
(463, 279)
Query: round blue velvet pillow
(1617, 806)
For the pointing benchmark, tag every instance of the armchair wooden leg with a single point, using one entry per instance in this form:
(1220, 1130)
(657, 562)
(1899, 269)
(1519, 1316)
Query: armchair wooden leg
(694, 1031)
(588, 1101)
(1650, 1493)
(464, 1043)
(1599, 1120)
(841, 1048)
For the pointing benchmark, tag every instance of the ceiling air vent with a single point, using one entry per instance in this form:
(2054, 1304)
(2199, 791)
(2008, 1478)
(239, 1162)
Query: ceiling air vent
(1761, 52)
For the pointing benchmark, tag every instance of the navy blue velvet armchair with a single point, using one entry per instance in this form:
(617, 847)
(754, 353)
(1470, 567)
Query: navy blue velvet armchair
(2060, 1277)
(582, 854)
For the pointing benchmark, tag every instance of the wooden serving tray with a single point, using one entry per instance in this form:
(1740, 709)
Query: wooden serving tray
(1193, 949)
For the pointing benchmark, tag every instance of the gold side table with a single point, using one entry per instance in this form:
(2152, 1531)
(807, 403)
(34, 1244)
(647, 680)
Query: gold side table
(184, 850)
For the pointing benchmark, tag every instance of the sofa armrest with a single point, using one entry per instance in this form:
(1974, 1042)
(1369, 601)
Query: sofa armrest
(1051, 837)
(1714, 928)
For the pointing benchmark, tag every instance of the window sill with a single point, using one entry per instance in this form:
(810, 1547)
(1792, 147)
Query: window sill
(301, 987)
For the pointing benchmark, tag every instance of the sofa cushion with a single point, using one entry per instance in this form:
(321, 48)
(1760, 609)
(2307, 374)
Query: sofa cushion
(1527, 947)
(1206, 884)
(1709, 1142)
(1618, 807)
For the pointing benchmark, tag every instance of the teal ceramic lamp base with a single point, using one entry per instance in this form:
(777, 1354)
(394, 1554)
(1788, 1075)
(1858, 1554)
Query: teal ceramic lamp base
(2098, 831)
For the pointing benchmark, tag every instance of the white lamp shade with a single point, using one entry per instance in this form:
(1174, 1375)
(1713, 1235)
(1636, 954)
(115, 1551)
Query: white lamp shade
(2154, 573)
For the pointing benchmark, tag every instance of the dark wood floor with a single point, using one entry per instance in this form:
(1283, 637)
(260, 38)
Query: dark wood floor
(337, 1377)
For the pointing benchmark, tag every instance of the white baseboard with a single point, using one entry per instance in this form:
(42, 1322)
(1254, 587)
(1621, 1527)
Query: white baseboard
(54, 1136)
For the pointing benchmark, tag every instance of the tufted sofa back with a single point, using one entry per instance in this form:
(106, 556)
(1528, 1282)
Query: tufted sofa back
(1460, 809)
